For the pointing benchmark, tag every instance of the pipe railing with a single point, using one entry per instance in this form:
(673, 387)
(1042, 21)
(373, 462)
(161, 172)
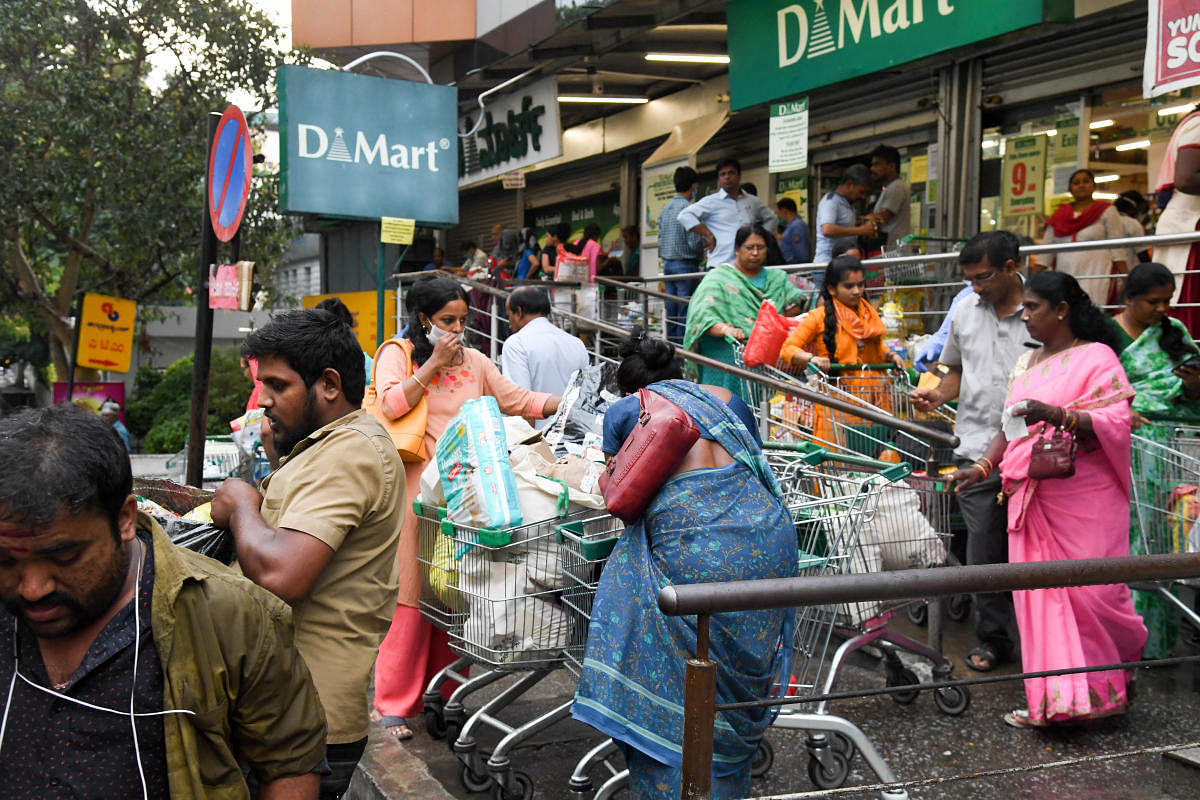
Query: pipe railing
(706, 599)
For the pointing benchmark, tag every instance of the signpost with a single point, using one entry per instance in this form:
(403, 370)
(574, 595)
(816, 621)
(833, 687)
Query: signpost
(787, 136)
(230, 165)
(105, 333)
(1172, 47)
(1022, 174)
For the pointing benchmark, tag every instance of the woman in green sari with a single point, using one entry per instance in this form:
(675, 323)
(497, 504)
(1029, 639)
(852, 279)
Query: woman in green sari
(1152, 348)
(725, 304)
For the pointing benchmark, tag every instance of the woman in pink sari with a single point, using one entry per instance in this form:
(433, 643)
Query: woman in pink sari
(1074, 382)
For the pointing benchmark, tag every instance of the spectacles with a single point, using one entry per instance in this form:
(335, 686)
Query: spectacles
(982, 279)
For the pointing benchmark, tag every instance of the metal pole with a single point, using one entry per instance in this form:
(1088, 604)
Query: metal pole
(380, 283)
(198, 422)
(73, 356)
(699, 716)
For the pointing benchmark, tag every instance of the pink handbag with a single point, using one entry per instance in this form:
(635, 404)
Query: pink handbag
(652, 452)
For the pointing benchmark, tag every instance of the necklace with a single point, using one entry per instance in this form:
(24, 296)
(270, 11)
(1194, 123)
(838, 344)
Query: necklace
(1043, 355)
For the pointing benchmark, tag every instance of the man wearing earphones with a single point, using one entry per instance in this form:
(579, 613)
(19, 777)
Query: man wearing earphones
(322, 533)
(130, 667)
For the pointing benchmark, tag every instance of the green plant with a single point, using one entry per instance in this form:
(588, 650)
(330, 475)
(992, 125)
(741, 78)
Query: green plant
(167, 403)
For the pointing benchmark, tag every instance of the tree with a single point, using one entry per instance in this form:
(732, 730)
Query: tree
(161, 406)
(101, 184)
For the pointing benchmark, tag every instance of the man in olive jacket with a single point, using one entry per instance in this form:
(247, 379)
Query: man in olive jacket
(133, 667)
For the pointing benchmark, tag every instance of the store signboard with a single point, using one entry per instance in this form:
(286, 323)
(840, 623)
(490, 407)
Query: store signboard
(787, 136)
(105, 333)
(659, 183)
(1022, 174)
(1172, 47)
(517, 131)
(365, 148)
(363, 308)
(604, 210)
(779, 48)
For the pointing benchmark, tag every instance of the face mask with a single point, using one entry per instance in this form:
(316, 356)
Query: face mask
(436, 333)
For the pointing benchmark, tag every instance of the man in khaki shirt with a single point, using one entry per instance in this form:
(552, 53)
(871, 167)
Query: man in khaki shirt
(322, 534)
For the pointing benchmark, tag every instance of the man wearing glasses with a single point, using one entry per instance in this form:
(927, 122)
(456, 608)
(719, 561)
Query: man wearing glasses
(986, 338)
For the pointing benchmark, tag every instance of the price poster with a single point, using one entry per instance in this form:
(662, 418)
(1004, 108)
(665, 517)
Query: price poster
(1022, 174)
(106, 333)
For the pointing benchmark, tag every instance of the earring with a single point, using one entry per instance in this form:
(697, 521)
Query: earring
(1060, 316)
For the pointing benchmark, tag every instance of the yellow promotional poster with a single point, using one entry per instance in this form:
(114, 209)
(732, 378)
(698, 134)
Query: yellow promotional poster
(1021, 176)
(396, 230)
(362, 307)
(106, 333)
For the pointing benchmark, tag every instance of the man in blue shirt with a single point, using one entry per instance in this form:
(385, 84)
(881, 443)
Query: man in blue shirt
(718, 216)
(836, 218)
(538, 356)
(111, 410)
(680, 250)
(794, 242)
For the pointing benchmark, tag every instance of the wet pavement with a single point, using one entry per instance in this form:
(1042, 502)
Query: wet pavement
(918, 741)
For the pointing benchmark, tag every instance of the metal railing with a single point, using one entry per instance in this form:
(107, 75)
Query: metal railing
(706, 599)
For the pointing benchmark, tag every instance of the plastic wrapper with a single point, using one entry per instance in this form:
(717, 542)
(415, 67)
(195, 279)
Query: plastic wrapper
(472, 456)
(200, 537)
(579, 422)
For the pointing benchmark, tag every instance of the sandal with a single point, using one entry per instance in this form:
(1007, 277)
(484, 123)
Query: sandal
(1019, 718)
(396, 726)
(983, 658)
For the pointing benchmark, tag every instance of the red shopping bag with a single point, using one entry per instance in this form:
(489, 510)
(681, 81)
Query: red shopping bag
(766, 339)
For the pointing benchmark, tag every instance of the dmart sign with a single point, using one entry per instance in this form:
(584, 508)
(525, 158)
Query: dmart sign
(779, 48)
(362, 147)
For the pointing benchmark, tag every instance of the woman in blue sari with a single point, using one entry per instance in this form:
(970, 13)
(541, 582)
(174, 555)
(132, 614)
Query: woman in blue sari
(718, 518)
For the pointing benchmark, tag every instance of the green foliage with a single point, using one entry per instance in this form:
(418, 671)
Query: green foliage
(104, 105)
(161, 407)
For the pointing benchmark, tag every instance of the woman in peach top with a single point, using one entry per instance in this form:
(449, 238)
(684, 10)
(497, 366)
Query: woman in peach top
(447, 374)
(843, 329)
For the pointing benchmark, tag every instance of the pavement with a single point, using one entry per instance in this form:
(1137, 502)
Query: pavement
(1100, 761)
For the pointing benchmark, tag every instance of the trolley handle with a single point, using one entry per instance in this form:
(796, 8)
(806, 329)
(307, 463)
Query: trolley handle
(814, 455)
(835, 367)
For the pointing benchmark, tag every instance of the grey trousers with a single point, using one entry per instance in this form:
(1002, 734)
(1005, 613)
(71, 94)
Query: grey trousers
(987, 543)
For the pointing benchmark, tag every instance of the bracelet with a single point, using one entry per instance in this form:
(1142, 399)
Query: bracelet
(1065, 417)
(990, 465)
(420, 382)
(1072, 421)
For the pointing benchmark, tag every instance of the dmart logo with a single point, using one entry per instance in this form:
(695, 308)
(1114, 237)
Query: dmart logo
(314, 142)
(802, 37)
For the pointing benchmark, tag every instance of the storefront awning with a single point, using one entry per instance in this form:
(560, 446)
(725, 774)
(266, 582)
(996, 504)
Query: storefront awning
(687, 138)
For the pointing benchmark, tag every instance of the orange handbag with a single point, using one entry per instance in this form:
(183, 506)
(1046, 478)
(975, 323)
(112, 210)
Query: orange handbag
(407, 432)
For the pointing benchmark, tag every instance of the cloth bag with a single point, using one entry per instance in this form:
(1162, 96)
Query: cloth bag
(408, 432)
(655, 447)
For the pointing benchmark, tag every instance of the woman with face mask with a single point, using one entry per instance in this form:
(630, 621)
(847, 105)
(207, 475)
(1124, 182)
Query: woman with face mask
(447, 374)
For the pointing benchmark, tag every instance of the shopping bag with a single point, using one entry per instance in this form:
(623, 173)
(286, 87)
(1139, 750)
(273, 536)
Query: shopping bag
(767, 336)
(472, 457)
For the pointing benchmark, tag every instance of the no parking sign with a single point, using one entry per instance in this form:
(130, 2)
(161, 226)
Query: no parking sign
(229, 169)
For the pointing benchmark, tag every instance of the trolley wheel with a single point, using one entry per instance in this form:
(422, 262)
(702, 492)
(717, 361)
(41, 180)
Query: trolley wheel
(764, 757)
(830, 778)
(435, 724)
(840, 743)
(472, 782)
(959, 607)
(952, 700)
(917, 613)
(520, 787)
(903, 677)
(453, 728)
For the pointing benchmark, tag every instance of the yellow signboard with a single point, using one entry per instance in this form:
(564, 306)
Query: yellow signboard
(106, 333)
(396, 230)
(1022, 175)
(363, 307)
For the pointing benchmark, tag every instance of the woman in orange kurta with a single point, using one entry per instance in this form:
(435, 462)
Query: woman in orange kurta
(843, 329)
(447, 374)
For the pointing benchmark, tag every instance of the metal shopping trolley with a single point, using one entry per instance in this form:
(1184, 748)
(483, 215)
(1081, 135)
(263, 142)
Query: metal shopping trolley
(1165, 503)
(496, 595)
(853, 514)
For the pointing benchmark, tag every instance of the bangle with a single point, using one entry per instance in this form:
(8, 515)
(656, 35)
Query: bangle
(420, 382)
(982, 469)
(990, 465)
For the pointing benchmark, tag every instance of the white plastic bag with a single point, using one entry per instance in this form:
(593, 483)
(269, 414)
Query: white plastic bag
(903, 535)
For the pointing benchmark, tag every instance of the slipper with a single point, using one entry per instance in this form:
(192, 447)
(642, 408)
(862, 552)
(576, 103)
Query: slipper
(1019, 718)
(396, 726)
(983, 658)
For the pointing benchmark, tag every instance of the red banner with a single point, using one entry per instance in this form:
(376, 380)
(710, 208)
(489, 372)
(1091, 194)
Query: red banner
(1172, 47)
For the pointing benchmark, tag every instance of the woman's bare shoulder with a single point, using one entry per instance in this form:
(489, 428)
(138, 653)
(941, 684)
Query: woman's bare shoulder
(720, 392)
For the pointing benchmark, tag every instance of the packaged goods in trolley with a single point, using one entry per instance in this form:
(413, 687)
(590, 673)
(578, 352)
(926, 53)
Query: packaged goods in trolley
(835, 498)
(1165, 502)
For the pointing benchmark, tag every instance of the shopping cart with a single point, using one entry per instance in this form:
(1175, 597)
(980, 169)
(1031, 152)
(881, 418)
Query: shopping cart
(495, 594)
(856, 514)
(1165, 503)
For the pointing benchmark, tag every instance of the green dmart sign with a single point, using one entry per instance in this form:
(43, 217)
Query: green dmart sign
(779, 48)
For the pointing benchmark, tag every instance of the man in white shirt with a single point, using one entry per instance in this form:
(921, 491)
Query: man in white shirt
(717, 217)
(537, 355)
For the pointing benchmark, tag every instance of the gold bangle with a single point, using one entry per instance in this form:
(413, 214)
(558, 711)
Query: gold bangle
(990, 465)
(420, 382)
(982, 469)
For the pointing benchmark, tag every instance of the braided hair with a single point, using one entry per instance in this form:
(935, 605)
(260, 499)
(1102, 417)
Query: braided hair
(1085, 319)
(837, 271)
(427, 296)
(645, 360)
(1145, 278)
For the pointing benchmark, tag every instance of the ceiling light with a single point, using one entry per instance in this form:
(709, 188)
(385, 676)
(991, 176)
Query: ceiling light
(1140, 144)
(600, 98)
(1101, 123)
(1171, 111)
(1104, 195)
(989, 143)
(688, 58)
(1107, 178)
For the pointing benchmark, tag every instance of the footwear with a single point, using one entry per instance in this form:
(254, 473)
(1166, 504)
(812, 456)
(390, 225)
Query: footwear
(983, 658)
(1019, 718)
(396, 726)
